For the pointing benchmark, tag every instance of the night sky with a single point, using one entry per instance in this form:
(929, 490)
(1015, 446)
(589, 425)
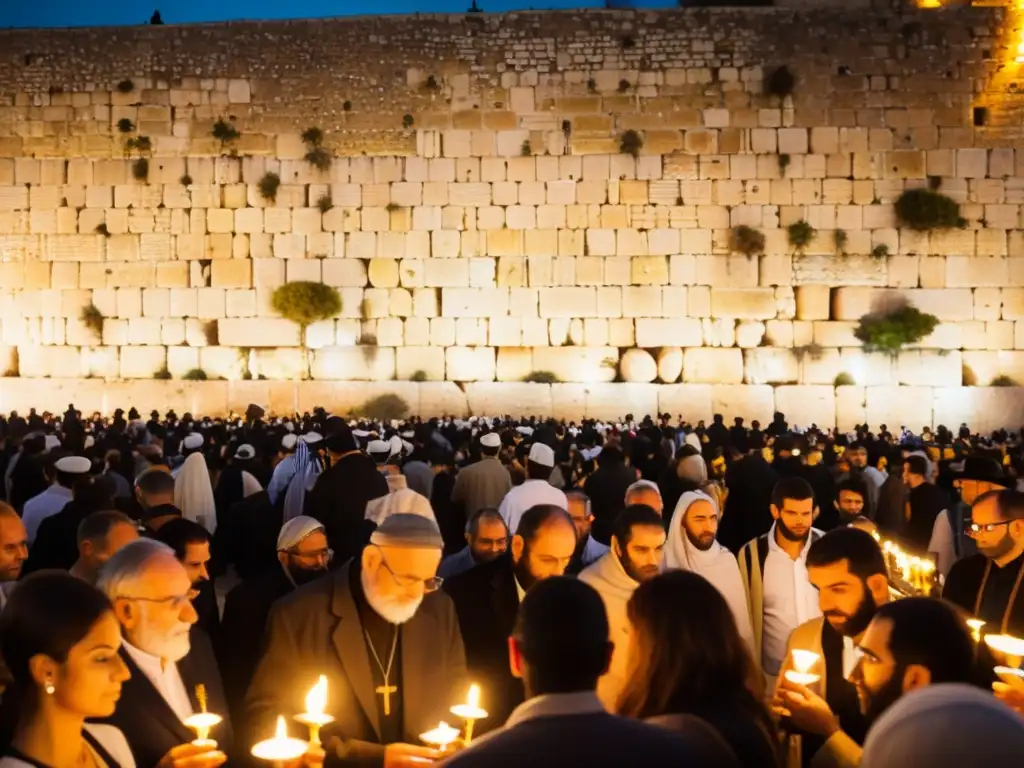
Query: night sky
(76, 13)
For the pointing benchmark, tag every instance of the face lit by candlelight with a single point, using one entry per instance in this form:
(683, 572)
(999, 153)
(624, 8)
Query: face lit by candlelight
(395, 579)
(881, 680)
(547, 554)
(1006, 536)
(155, 608)
(700, 524)
(793, 521)
(847, 602)
(641, 556)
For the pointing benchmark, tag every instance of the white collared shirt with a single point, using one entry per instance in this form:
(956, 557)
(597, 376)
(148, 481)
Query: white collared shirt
(165, 678)
(850, 656)
(41, 506)
(519, 589)
(789, 600)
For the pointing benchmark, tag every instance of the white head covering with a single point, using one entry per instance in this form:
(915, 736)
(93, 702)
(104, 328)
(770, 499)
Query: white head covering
(491, 440)
(288, 441)
(250, 485)
(404, 530)
(717, 564)
(192, 441)
(245, 452)
(396, 445)
(50, 442)
(296, 530)
(945, 726)
(403, 500)
(693, 441)
(193, 493)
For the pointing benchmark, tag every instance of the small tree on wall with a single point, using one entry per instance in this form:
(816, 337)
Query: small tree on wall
(304, 303)
(891, 331)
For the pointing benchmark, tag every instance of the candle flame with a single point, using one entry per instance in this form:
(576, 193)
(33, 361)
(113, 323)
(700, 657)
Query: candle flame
(281, 732)
(804, 660)
(316, 699)
(474, 696)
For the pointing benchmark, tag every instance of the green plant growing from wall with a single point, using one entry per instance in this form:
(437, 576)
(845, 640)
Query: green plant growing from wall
(784, 160)
(541, 377)
(800, 235)
(304, 303)
(225, 133)
(386, 407)
(125, 86)
(746, 240)
(195, 374)
(313, 136)
(102, 229)
(185, 180)
(624, 86)
(325, 203)
(346, 106)
(843, 380)
(418, 376)
(140, 169)
(839, 239)
(880, 252)
(392, 207)
(92, 318)
(630, 143)
(526, 150)
(162, 373)
(1003, 381)
(925, 209)
(891, 331)
(124, 125)
(316, 154)
(407, 121)
(780, 82)
(268, 186)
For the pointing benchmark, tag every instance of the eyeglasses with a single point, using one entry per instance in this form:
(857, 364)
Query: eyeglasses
(175, 601)
(429, 585)
(986, 527)
(317, 554)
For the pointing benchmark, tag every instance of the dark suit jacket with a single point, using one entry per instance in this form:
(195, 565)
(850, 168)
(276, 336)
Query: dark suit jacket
(338, 500)
(487, 601)
(148, 722)
(594, 740)
(315, 631)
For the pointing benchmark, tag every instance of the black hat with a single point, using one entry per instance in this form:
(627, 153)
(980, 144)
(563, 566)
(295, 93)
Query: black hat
(338, 435)
(984, 470)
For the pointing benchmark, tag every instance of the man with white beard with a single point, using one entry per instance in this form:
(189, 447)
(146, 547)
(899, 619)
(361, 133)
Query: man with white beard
(167, 656)
(387, 641)
(691, 546)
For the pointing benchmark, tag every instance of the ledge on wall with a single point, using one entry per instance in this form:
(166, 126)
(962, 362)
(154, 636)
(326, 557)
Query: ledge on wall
(983, 408)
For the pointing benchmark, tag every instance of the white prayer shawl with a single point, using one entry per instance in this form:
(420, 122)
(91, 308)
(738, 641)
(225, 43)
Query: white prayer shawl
(306, 471)
(193, 493)
(250, 485)
(718, 565)
(401, 500)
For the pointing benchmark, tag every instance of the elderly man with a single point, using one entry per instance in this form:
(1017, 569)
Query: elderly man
(588, 549)
(647, 493)
(303, 556)
(13, 550)
(385, 638)
(191, 544)
(486, 540)
(100, 535)
(152, 597)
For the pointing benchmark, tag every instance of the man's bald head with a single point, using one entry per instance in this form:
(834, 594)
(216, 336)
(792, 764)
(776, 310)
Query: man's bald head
(543, 545)
(13, 543)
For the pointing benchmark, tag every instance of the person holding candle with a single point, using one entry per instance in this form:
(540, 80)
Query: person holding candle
(386, 640)
(168, 657)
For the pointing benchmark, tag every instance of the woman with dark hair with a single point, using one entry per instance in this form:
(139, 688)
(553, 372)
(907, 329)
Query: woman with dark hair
(687, 660)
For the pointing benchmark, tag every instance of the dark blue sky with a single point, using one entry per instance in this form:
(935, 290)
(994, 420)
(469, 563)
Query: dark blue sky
(77, 13)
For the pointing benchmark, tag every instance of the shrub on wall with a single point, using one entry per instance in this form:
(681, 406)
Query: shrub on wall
(925, 209)
(384, 407)
(541, 377)
(92, 318)
(162, 373)
(316, 155)
(780, 82)
(304, 303)
(631, 143)
(195, 374)
(890, 332)
(746, 240)
(843, 380)
(1003, 381)
(225, 133)
(268, 186)
(800, 235)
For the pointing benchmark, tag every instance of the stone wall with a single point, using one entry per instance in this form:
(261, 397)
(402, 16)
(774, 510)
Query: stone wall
(481, 221)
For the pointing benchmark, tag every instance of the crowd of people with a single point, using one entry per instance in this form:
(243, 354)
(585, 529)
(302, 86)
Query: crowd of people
(643, 592)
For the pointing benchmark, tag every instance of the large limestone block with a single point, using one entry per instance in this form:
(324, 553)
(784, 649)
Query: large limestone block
(442, 397)
(353, 395)
(661, 332)
(804, 405)
(829, 270)
(927, 368)
(286, 364)
(222, 362)
(813, 302)
(690, 402)
(767, 365)
(262, 332)
(181, 360)
(514, 363)
(638, 366)
(142, 362)
(568, 401)
(984, 408)
(712, 366)
(100, 362)
(578, 364)
(612, 402)
(851, 407)
(670, 364)
(362, 363)
(474, 302)
(743, 303)
(869, 368)
(515, 399)
(749, 401)
(470, 363)
(836, 334)
(568, 302)
(897, 407)
(749, 334)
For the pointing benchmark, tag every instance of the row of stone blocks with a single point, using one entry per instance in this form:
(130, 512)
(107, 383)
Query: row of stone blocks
(984, 408)
(762, 365)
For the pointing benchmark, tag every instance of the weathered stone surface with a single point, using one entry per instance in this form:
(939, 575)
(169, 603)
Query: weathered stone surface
(638, 366)
(492, 399)
(362, 363)
(670, 364)
(806, 405)
(578, 364)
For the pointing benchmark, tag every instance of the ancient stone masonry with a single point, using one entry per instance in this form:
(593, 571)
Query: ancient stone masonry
(503, 195)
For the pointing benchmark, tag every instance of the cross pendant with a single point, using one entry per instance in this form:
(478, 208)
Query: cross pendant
(386, 691)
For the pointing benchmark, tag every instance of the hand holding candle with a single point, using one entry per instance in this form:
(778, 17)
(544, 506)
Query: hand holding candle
(1012, 648)
(281, 748)
(203, 721)
(470, 711)
(441, 737)
(802, 663)
(314, 717)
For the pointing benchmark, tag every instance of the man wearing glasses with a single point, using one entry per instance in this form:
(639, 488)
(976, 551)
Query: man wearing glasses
(988, 584)
(386, 639)
(152, 596)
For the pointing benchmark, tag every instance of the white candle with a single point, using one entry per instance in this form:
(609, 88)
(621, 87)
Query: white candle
(470, 711)
(314, 717)
(1009, 646)
(441, 737)
(282, 748)
(201, 723)
(803, 661)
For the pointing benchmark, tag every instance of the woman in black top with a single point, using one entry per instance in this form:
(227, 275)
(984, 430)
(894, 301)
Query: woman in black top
(687, 660)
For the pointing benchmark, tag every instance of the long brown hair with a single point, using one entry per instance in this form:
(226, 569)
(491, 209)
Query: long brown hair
(687, 655)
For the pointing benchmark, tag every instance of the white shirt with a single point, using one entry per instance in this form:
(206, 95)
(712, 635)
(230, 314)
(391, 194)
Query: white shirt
(43, 505)
(165, 678)
(789, 600)
(849, 656)
(519, 589)
(529, 494)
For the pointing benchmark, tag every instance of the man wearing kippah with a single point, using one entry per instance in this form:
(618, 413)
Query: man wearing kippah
(386, 639)
(485, 483)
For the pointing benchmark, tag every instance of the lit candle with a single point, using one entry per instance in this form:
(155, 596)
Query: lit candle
(282, 748)
(441, 737)
(1010, 675)
(1011, 647)
(203, 721)
(470, 711)
(976, 625)
(314, 717)
(803, 661)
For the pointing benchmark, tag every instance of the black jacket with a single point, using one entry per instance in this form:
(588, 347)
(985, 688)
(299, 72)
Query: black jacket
(486, 602)
(338, 500)
(607, 491)
(148, 722)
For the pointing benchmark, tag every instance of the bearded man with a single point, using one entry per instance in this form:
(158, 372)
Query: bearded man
(692, 547)
(779, 593)
(638, 541)
(385, 638)
(848, 568)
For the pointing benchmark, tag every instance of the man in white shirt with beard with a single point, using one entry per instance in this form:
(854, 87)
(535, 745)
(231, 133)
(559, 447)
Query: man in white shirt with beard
(168, 659)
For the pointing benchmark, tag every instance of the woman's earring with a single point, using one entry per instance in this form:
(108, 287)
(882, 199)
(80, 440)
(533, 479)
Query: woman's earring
(49, 688)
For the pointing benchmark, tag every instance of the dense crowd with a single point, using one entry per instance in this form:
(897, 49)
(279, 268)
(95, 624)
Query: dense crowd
(225, 563)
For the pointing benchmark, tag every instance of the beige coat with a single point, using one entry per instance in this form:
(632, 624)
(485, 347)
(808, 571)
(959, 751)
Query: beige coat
(615, 587)
(481, 485)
